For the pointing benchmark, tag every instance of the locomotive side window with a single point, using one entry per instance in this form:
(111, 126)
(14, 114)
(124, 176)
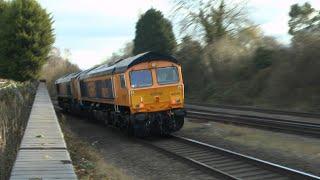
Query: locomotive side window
(141, 78)
(108, 86)
(99, 89)
(83, 87)
(122, 81)
(68, 89)
(167, 75)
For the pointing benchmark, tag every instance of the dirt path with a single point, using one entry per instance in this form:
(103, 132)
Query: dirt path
(133, 158)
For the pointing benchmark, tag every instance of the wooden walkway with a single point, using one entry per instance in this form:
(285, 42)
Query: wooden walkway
(43, 153)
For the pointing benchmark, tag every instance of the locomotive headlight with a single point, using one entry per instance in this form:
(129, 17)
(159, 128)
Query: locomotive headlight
(152, 65)
(141, 105)
(175, 101)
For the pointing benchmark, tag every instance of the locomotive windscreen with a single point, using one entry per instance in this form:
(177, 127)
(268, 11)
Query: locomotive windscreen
(141, 78)
(167, 75)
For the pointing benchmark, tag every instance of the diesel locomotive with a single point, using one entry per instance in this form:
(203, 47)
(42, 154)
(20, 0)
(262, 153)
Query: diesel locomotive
(142, 95)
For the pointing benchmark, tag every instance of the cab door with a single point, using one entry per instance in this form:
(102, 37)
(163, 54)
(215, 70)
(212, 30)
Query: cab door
(121, 89)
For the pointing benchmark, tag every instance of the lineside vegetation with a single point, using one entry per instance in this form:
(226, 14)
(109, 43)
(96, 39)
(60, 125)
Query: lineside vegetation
(26, 35)
(226, 59)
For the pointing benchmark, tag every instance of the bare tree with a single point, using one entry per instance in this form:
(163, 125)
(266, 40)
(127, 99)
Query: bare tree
(213, 19)
(55, 67)
(122, 53)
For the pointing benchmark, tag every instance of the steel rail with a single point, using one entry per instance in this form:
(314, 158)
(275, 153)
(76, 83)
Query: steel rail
(223, 163)
(261, 110)
(292, 126)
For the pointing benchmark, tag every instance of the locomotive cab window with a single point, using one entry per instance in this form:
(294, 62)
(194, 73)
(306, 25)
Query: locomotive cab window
(167, 75)
(122, 81)
(141, 78)
(99, 88)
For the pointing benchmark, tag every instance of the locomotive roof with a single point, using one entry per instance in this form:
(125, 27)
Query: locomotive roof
(122, 65)
(66, 78)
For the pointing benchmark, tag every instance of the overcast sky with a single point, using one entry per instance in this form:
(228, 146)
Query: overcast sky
(93, 29)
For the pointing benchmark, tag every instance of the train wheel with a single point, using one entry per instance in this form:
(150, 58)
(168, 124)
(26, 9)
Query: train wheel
(107, 118)
(142, 128)
(179, 122)
(128, 125)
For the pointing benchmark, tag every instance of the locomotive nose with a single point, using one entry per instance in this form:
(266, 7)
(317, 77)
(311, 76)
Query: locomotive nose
(156, 99)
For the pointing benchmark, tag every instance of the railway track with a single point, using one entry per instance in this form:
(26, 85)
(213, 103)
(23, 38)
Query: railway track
(223, 163)
(262, 110)
(299, 125)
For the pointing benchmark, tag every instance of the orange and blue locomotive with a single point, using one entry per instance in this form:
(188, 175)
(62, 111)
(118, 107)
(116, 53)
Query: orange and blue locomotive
(142, 95)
